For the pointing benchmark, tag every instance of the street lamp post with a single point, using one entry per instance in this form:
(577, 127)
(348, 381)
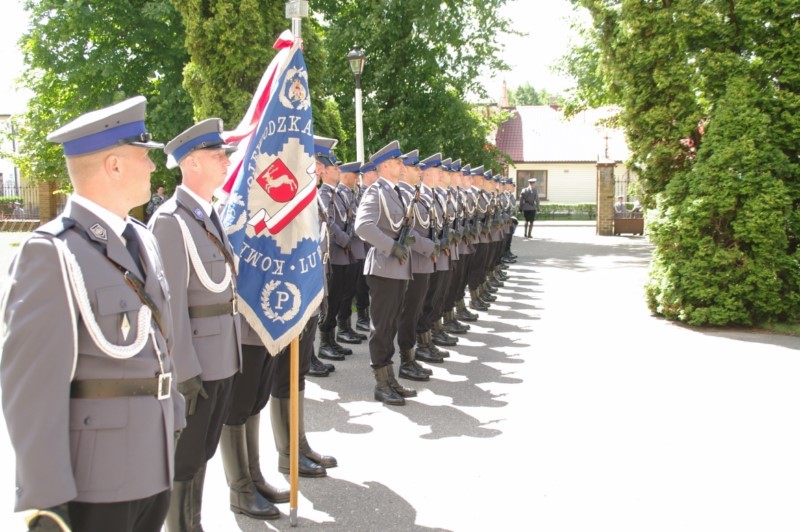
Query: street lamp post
(356, 58)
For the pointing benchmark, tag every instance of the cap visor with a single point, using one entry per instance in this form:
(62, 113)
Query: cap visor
(150, 145)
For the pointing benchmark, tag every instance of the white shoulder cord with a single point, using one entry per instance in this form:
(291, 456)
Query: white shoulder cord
(392, 224)
(425, 223)
(202, 274)
(72, 270)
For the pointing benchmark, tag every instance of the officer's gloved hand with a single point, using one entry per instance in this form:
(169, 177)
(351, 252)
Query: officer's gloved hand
(191, 389)
(400, 252)
(444, 243)
(436, 250)
(55, 519)
(411, 240)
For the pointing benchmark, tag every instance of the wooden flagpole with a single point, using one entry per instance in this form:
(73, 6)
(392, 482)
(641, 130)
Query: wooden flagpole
(295, 10)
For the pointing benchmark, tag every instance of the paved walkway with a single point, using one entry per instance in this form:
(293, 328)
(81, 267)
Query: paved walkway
(568, 407)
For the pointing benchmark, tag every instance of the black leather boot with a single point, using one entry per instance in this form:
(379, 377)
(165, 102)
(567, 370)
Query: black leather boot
(488, 288)
(476, 302)
(399, 389)
(383, 389)
(339, 349)
(267, 490)
(197, 499)
(245, 498)
(462, 313)
(326, 349)
(180, 514)
(407, 368)
(279, 415)
(424, 349)
(439, 337)
(318, 368)
(305, 449)
(451, 325)
(362, 323)
(436, 350)
(346, 334)
(486, 294)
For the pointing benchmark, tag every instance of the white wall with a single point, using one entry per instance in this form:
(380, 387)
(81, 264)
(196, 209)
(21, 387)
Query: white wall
(568, 183)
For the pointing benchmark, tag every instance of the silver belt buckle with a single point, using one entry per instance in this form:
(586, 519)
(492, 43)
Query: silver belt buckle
(234, 306)
(164, 386)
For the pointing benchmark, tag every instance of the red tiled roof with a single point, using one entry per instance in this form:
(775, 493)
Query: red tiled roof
(509, 137)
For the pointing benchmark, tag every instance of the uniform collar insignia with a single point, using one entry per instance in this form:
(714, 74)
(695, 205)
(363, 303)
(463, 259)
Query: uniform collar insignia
(99, 232)
(199, 214)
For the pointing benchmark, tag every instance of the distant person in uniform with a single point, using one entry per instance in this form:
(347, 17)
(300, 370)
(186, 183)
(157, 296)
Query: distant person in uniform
(529, 203)
(18, 213)
(619, 206)
(89, 389)
(155, 201)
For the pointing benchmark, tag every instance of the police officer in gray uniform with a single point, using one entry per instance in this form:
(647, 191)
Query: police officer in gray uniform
(336, 257)
(424, 252)
(379, 222)
(345, 192)
(199, 265)
(89, 391)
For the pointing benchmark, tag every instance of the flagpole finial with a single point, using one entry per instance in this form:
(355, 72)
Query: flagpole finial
(297, 10)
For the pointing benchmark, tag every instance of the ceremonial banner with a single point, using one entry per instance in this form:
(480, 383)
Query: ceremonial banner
(243, 133)
(271, 218)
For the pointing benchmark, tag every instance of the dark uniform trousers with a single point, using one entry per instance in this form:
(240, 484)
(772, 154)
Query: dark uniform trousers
(412, 309)
(383, 316)
(336, 288)
(264, 375)
(143, 515)
(466, 262)
(456, 287)
(198, 441)
(434, 300)
(477, 270)
(349, 290)
(362, 290)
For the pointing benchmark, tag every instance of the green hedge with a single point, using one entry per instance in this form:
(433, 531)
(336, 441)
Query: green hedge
(567, 211)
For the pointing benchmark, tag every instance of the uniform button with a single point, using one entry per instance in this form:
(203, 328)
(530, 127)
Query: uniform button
(87, 421)
(123, 304)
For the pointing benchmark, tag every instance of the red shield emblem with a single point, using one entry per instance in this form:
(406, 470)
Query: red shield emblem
(278, 181)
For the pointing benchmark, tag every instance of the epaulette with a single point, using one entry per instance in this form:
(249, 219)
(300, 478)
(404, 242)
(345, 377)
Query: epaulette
(56, 227)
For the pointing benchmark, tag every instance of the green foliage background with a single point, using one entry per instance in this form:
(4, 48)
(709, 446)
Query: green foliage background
(195, 59)
(710, 94)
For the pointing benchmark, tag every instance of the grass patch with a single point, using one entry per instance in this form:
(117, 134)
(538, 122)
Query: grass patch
(791, 329)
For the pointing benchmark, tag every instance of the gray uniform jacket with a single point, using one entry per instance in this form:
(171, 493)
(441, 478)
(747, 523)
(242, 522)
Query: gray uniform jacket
(205, 346)
(338, 238)
(90, 450)
(450, 206)
(423, 248)
(357, 250)
(458, 200)
(437, 219)
(481, 207)
(378, 222)
(529, 199)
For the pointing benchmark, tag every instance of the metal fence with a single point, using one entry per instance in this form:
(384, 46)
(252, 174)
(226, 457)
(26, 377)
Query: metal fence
(28, 198)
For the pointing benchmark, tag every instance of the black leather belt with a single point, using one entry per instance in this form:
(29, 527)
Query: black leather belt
(158, 387)
(209, 311)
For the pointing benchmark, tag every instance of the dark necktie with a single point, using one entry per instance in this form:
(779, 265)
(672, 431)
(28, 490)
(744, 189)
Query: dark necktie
(400, 195)
(217, 224)
(132, 243)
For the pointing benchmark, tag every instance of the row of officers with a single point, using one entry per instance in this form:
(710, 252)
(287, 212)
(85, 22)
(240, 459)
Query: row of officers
(125, 363)
(411, 235)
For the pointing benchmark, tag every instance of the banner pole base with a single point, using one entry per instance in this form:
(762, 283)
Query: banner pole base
(293, 516)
